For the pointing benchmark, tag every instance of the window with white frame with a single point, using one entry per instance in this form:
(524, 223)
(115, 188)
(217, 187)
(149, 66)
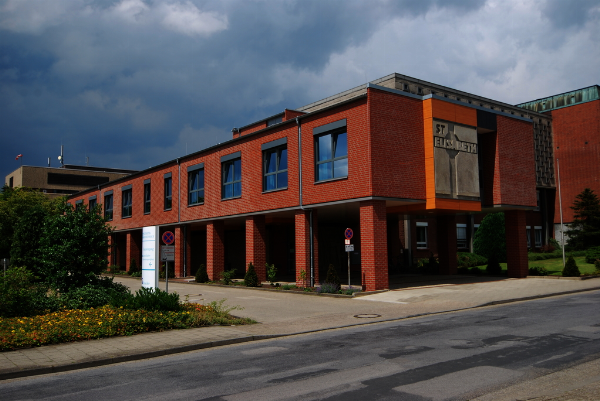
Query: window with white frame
(538, 236)
(528, 236)
(421, 235)
(461, 236)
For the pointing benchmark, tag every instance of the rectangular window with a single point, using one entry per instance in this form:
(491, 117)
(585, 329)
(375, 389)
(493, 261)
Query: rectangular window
(92, 202)
(538, 236)
(421, 235)
(528, 236)
(196, 187)
(108, 206)
(332, 155)
(537, 205)
(232, 176)
(147, 196)
(168, 191)
(126, 202)
(275, 169)
(461, 236)
(79, 204)
(10, 182)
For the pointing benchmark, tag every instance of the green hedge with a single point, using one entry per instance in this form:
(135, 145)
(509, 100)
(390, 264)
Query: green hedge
(466, 259)
(553, 255)
(592, 254)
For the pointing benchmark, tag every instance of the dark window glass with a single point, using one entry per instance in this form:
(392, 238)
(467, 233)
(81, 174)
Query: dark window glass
(147, 198)
(276, 174)
(332, 156)
(232, 179)
(196, 187)
(108, 207)
(461, 236)
(126, 203)
(78, 205)
(421, 237)
(92, 204)
(168, 193)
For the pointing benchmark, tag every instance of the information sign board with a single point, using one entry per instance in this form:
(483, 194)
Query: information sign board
(150, 257)
(167, 253)
(349, 248)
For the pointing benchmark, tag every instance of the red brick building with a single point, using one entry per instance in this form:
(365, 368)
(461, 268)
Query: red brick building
(409, 165)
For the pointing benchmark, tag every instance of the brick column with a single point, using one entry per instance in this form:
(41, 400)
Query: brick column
(188, 250)
(516, 243)
(302, 227)
(373, 245)
(215, 249)
(256, 247)
(178, 252)
(132, 249)
(111, 250)
(446, 244)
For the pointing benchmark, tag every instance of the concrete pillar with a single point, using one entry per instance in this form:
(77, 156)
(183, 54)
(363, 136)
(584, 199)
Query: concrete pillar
(446, 244)
(256, 246)
(215, 249)
(302, 225)
(516, 243)
(133, 249)
(373, 245)
(179, 242)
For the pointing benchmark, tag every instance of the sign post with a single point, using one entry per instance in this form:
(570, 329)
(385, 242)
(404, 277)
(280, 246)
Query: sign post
(5, 263)
(349, 248)
(149, 257)
(168, 238)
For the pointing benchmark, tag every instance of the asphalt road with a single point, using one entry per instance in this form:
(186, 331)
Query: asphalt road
(453, 356)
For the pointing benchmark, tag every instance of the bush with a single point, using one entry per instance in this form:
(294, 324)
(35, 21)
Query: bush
(271, 273)
(350, 290)
(476, 271)
(592, 254)
(538, 271)
(466, 259)
(490, 239)
(554, 255)
(462, 270)
(571, 269)
(597, 266)
(133, 267)
(227, 276)
(163, 267)
(201, 274)
(549, 248)
(555, 244)
(251, 278)
(332, 276)
(89, 296)
(493, 266)
(288, 286)
(21, 296)
(149, 299)
(328, 288)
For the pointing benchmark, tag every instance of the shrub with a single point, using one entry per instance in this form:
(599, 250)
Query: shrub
(554, 243)
(288, 286)
(490, 240)
(271, 273)
(597, 266)
(21, 296)
(592, 254)
(554, 255)
(201, 274)
(163, 267)
(133, 267)
(332, 276)
(571, 269)
(88, 296)
(493, 266)
(463, 270)
(538, 271)
(475, 271)
(548, 248)
(149, 299)
(251, 278)
(227, 276)
(328, 288)
(466, 259)
(350, 290)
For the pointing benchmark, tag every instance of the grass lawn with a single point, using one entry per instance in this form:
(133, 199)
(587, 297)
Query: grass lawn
(555, 266)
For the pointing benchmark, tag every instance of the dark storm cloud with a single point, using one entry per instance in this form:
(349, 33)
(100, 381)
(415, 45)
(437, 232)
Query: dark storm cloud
(567, 14)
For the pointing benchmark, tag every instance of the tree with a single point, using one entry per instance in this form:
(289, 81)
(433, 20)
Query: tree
(571, 269)
(490, 238)
(73, 247)
(251, 278)
(26, 238)
(584, 232)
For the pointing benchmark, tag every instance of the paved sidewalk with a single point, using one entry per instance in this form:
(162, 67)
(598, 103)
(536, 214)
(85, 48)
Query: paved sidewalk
(281, 313)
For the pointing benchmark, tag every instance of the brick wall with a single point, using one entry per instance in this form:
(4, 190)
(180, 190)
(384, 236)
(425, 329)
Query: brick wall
(373, 230)
(577, 146)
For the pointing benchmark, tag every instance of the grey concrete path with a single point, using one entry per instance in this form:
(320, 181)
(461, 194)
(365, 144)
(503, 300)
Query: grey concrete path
(280, 313)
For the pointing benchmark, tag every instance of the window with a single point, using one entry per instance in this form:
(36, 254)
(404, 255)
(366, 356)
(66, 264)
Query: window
(92, 202)
(461, 235)
(126, 202)
(421, 235)
(232, 178)
(528, 236)
(274, 120)
(108, 205)
(196, 185)
(538, 236)
(275, 169)
(331, 151)
(78, 204)
(147, 196)
(10, 182)
(168, 191)
(537, 204)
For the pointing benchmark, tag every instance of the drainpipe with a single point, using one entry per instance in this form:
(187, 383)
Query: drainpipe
(310, 213)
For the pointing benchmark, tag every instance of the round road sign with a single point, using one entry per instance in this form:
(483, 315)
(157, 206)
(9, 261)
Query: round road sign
(168, 237)
(348, 233)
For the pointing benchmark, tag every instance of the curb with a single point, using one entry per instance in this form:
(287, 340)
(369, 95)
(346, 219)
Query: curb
(240, 340)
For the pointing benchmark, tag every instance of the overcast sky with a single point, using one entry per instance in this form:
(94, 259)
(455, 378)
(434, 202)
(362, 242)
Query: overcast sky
(131, 83)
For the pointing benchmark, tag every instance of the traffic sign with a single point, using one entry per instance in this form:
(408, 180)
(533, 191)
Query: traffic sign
(347, 241)
(167, 253)
(349, 248)
(348, 233)
(168, 237)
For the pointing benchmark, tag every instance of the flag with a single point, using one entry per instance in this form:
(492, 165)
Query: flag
(19, 155)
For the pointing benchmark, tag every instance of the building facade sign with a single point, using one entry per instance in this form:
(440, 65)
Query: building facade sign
(150, 257)
(456, 161)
